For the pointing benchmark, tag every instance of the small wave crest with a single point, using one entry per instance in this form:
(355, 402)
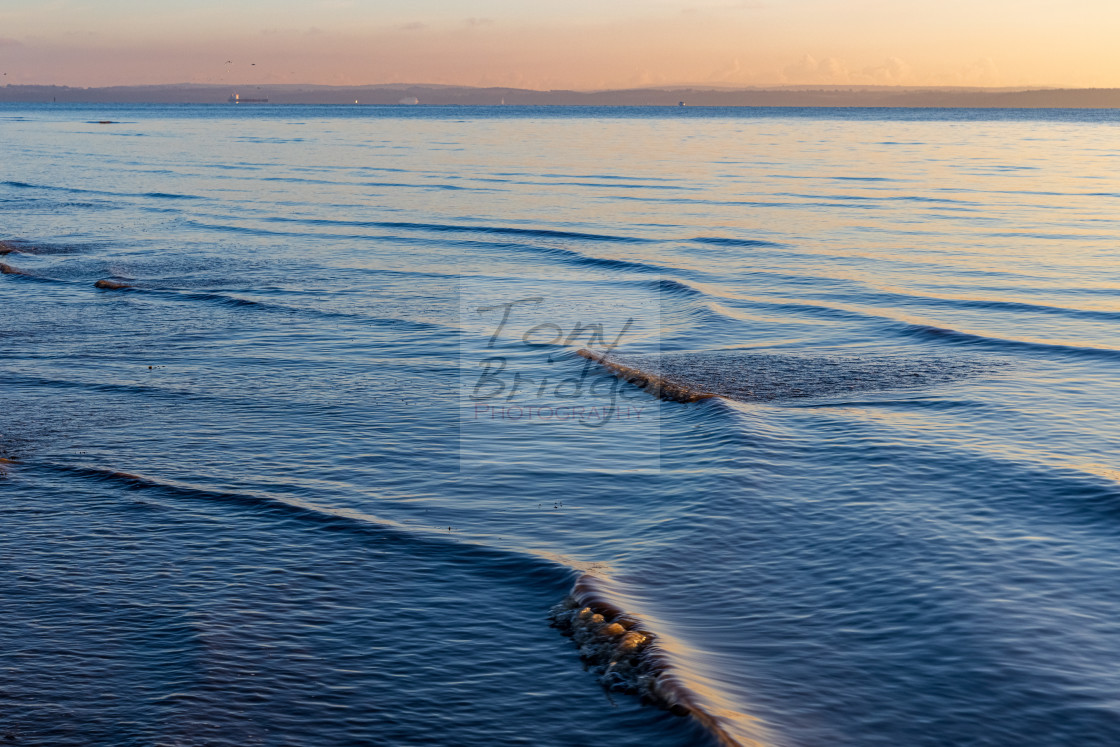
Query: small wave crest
(656, 385)
(673, 287)
(21, 246)
(76, 190)
(547, 233)
(726, 241)
(537, 569)
(625, 655)
(169, 196)
(959, 337)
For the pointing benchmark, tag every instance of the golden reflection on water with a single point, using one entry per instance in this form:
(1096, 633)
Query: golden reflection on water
(1100, 470)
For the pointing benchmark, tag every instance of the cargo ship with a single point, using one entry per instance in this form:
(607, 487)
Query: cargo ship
(236, 99)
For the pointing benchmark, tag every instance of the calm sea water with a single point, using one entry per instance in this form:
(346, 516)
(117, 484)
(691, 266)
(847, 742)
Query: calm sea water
(268, 495)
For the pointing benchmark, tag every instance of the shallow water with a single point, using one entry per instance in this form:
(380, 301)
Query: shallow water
(273, 492)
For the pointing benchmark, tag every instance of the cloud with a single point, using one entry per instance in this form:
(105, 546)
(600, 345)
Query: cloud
(810, 70)
(6, 42)
(831, 71)
(473, 22)
(891, 72)
(414, 26)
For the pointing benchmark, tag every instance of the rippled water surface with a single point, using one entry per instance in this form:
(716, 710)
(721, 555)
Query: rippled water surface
(273, 490)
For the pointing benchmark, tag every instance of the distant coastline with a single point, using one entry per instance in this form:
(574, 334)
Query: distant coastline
(400, 94)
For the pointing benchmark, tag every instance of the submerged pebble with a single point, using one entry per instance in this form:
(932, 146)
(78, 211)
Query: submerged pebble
(620, 657)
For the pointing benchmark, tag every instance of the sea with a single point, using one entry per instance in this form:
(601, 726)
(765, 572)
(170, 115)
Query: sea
(559, 426)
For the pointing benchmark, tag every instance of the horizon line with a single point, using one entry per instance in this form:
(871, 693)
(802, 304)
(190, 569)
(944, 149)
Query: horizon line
(721, 87)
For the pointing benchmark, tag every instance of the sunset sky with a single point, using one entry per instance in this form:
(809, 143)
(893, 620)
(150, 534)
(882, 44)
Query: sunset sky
(582, 44)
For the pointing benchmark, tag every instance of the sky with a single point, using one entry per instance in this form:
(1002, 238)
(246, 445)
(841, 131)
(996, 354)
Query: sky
(570, 44)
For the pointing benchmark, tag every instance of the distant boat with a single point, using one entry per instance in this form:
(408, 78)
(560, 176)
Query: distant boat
(236, 99)
(410, 101)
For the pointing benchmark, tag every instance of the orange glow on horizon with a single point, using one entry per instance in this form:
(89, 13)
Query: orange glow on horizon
(578, 45)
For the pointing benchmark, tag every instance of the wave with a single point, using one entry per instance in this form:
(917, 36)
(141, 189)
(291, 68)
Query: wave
(270, 140)
(593, 185)
(168, 196)
(981, 304)
(616, 645)
(864, 179)
(572, 255)
(961, 205)
(608, 177)
(337, 183)
(237, 302)
(625, 655)
(19, 185)
(656, 385)
(623, 651)
(908, 329)
(455, 228)
(953, 336)
(104, 386)
(531, 567)
(23, 246)
(446, 187)
(224, 299)
(726, 241)
(587, 260)
(17, 273)
(76, 190)
(227, 300)
(677, 288)
(754, 376)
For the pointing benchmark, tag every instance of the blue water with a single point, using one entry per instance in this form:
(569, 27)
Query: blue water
(262, 496)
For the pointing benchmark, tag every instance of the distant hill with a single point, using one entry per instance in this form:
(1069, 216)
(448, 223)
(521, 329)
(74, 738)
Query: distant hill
(1077, 98)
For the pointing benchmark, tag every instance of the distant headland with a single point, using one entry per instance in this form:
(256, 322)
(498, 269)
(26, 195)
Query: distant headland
(420, 94)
